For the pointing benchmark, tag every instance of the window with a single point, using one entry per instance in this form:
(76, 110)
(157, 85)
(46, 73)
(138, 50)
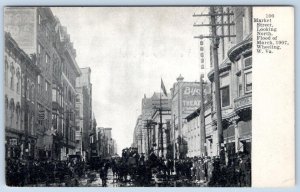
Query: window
(201, 49)
(22, 86)
(18, 81)
(225, 96)
(28, 95)
(12, 73)
(6, 71)
(202, 66)
(54, 92)
(225, 90)
(39, 49)
(39, 19)
(47, 59)
(248, 82)
(46, 86)
(247, 62)
(32, 92)
(39, 84)
(240, 90)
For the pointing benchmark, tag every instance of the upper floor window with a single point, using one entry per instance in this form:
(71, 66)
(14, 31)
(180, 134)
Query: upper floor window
(225, 90)
(12, 74)
(32, 92)
(248, 62)
(6, 70)
(225, 96)
(22, 85)
(39, 49)
(39, 19)
(39, 84)
(248, 82)
(47, 59)
(18, 81)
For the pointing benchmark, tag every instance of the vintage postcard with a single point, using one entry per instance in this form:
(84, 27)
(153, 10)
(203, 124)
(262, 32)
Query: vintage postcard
(196, 96)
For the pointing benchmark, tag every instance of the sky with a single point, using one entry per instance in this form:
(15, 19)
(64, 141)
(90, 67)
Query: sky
(129, 50)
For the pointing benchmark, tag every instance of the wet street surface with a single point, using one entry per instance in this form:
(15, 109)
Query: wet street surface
(92, 179)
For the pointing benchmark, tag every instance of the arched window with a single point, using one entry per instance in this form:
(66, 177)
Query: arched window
(18, 80)
(6, 110)
(18, 112)
(6, 70)
(12, 110)
(22, 85)
(27, 90)
(12, 74)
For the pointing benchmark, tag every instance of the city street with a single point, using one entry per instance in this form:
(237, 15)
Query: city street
(108, 106)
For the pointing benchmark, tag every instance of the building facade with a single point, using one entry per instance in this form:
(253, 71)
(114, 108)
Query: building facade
(185, 100)
(235, 66)
(84, 88)
(20, 77)
(41, 36)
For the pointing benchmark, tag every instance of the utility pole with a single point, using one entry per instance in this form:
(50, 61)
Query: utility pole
(215, 44)
(202, 120)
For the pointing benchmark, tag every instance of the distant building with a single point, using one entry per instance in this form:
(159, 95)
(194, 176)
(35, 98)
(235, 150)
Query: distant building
(148, 121)
(84, 97)
(138, 135)
(185, 99)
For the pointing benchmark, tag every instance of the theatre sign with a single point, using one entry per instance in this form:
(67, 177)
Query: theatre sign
(190, 97)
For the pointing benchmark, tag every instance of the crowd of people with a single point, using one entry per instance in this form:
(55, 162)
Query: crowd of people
(235, 171)
(134, 167)
(35, 172)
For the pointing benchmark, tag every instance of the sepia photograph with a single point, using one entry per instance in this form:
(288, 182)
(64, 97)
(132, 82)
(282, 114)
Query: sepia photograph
(129, 96)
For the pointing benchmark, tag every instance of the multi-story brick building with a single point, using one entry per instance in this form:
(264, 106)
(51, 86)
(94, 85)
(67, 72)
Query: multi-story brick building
(20, 101)
(32, 29)
(39, 33)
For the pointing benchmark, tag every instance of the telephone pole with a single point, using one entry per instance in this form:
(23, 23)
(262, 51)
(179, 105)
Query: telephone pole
(215, 45)
(202, 120)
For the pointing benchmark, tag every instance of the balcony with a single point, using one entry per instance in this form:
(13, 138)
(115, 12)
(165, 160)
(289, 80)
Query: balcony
(244, 102)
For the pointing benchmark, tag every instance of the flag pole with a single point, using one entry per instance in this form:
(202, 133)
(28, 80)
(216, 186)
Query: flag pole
(160, 122)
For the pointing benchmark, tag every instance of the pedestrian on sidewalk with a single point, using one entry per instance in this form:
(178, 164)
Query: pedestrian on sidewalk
(103, 174)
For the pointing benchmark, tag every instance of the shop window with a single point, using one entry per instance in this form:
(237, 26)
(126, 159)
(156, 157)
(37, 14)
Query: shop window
(225, 96)
(248, 82)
